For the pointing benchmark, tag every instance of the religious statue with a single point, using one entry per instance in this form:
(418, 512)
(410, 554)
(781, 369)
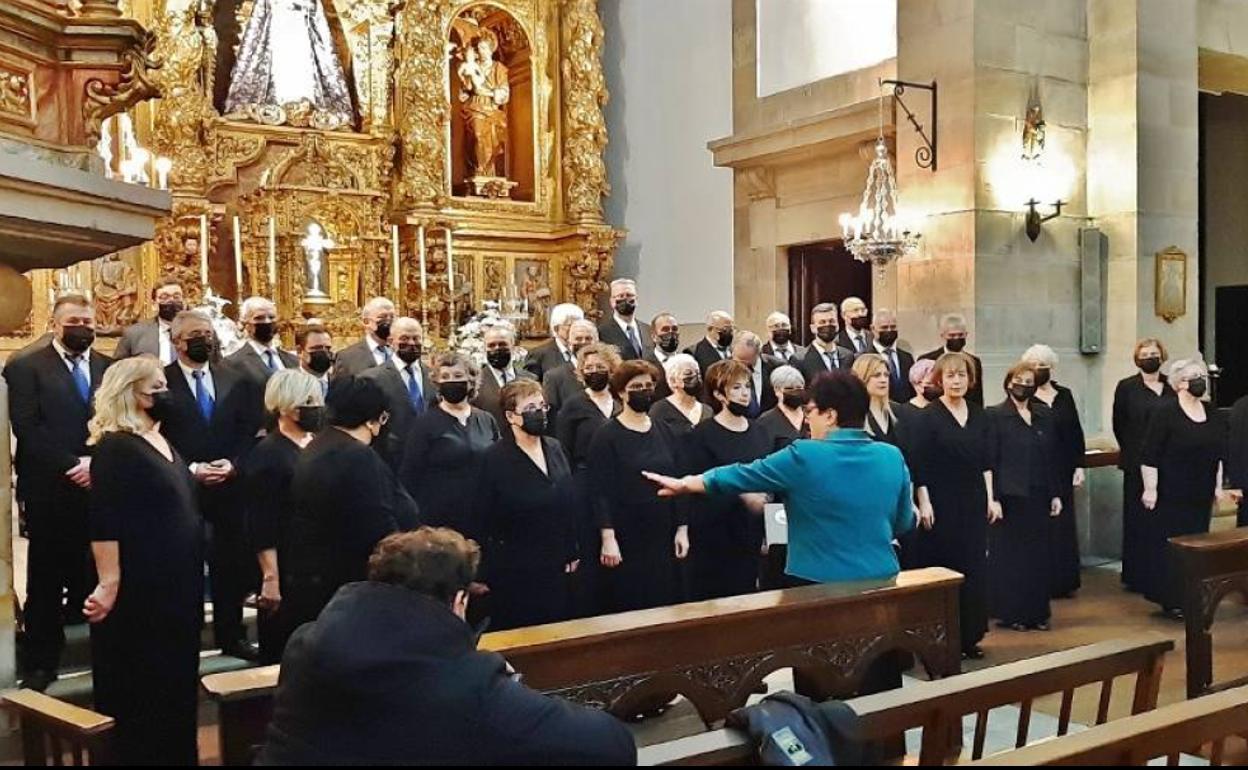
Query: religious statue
(116, 293)
(485, 91)
(316, 251)
(287, 67)
(1033, 132)
(536, 294)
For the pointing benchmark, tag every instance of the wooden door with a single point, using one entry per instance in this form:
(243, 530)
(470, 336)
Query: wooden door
(823, 272)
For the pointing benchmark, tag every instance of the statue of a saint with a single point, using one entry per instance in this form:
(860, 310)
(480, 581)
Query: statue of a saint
(287, 60)
(485, 92)
(116, 291)
(316, 251)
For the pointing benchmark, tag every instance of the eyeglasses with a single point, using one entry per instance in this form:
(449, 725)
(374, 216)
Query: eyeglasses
(640, 389)
(543, 409)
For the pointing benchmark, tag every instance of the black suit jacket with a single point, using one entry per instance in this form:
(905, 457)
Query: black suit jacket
(489, 393)
(799, 352)
(705, 354)
(1020, 463)
(49, 417)
(399, 405)
(899, 388)
(767, 396)
(354, 359)
(661, 389)
(544, 359)
(249, 363)
(560, 386)
(611, 333)
(813, 363)
(844, 340)
(975, 394)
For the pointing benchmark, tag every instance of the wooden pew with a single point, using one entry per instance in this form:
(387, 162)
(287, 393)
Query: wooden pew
(937, 707)
(715, 653)
(1214, 565)
(53, 729)
(1180, 728)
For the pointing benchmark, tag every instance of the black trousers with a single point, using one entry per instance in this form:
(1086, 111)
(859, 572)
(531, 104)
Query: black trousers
(233, 574)
(59, 575)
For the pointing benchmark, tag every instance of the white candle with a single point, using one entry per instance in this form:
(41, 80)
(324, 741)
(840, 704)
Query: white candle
(238, 257)
(272, 251)
(203, 250)
(420, 249)
(394, 247)
(450, 264)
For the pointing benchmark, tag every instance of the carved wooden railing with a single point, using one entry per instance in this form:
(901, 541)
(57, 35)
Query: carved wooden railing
(715, 653)
(1214, 566)
(53, 731)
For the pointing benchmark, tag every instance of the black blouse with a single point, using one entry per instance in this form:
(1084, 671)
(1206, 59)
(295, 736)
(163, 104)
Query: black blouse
(1185, 453)
(579, 419)
(526, 515)
(667, 413)
(1134, 403)
(622, 497)
(1025, 458)
(442, 466)
(268, 473)
(1070, 445)
(779, 431)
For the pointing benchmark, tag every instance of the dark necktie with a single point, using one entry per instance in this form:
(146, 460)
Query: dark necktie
(81, 381)
(860, 343)
(413, 389)
(633, 341)
(753, 408)
(894, 369)
(832, 359)
(172, 355)
(324, 388)
(385, 353)
(269, 361)
(202, 398)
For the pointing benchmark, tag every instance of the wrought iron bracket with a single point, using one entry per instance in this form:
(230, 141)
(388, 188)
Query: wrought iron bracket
(924, 156)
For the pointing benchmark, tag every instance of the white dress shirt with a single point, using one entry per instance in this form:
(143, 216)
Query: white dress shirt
(189, 374)
(65, 355)
(164, 338)
(374, 347)
(260, 351)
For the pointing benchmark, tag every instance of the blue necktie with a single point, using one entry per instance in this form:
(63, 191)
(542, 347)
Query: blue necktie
(413, 390)
(895, 370)
(385, 353)
(632, 340)
(269, 362)
(202, 397)
(81, 380)
(324, 388)
(831, 360)
(753, 407)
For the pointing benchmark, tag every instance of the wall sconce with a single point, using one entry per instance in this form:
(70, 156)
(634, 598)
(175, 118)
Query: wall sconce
(1034, 220)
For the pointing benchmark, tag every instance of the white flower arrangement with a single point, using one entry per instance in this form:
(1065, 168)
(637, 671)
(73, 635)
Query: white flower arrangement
(469, 339)
(229, 336)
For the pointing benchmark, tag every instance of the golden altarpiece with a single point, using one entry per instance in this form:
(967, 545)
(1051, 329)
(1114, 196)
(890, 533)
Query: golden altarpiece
(428, 127)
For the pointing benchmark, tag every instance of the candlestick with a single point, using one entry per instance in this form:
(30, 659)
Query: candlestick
(238, 257)
(273, 252)
(394, 247)
(420, 249)
(203, 250)
(450, 265)
(163, 167)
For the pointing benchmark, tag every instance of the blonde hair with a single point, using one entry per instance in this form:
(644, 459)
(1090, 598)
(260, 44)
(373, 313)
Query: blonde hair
(116, 401)
(290, 389)
(867, 366)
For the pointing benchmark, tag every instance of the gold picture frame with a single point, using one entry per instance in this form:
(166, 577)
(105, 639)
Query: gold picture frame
(1170, 284)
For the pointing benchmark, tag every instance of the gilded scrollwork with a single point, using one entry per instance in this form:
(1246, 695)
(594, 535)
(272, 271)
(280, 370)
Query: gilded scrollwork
(421, 103)
(187, 46)
(134, 85)
(585, 128)
(588, 271)
(15, 101)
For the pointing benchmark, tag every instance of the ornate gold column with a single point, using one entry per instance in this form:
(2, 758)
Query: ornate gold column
(421, 104)
(584, 127)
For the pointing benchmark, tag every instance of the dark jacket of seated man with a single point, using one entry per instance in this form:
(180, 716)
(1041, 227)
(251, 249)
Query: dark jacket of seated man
(389, 674)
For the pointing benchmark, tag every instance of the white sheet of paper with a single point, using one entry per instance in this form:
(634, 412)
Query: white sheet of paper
(776, 522)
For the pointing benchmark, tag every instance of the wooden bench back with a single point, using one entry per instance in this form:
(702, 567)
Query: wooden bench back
(1214, 565)
(715, 653)
(1180, 728)
(937, 707)
(54, 731)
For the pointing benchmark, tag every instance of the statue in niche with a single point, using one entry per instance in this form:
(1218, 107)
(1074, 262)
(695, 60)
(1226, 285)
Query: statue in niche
(116, 292)
(316, 249)
(485, 91)
(287, 70)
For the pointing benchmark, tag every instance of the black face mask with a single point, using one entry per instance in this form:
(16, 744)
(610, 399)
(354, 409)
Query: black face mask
(454, 392)
(738, 410)
(383, 330)
(956, 345)
(499, 359)
(781, 337)
(77, 339)
(724, 338)
(1022, 393)
(933, 392)
(320, 361)
(409, 353)
(861, 323)
(827, 333)
(1043, 375)
(888, 339)
(626, 307)
(692, 387)
(162, 405)
(794, 400)
(1198, 387)
(199, 349)
(669, 342)
(263, 332)
(311, 418)
(641, 400)
(167, 311)
(1149, 365)
(597, 381)
(533, 423)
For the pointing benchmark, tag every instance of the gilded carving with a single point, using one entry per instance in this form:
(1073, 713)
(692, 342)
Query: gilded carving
(421, 103)
(588, 272)
(15, 98)
(187, 46)
(584, 127)
(103, 100)
(115, 289)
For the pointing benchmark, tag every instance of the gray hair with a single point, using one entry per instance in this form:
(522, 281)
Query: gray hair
(717, 315)
(376, 304)
(953, 322)
(749, 338)
(1041, 355)
(778, 317)
(253, 304)
(1188, 367)
(184, 319)
(882, 314)
(623, 282)
(406, 321)
(787, 377)
(502, 327)
(564, 313)
(451, 359)
(852, 303)
(823, 307)
(583, 322)
(292, 388)
(679, 363)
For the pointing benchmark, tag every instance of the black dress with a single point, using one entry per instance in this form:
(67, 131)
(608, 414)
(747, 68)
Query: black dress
(1134, 403)
(579, 419)
(644, 523)
(779, 431)
(1026, 468)
(1237, 455)
(667, 413)
(145, 654)
(886, 433)
(908, 421)
(725, 538)
(529, 530)
(950, 460)
(346, 500)
(1186, 455)
(1064, 529)
(442, 465)
(268, 475)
